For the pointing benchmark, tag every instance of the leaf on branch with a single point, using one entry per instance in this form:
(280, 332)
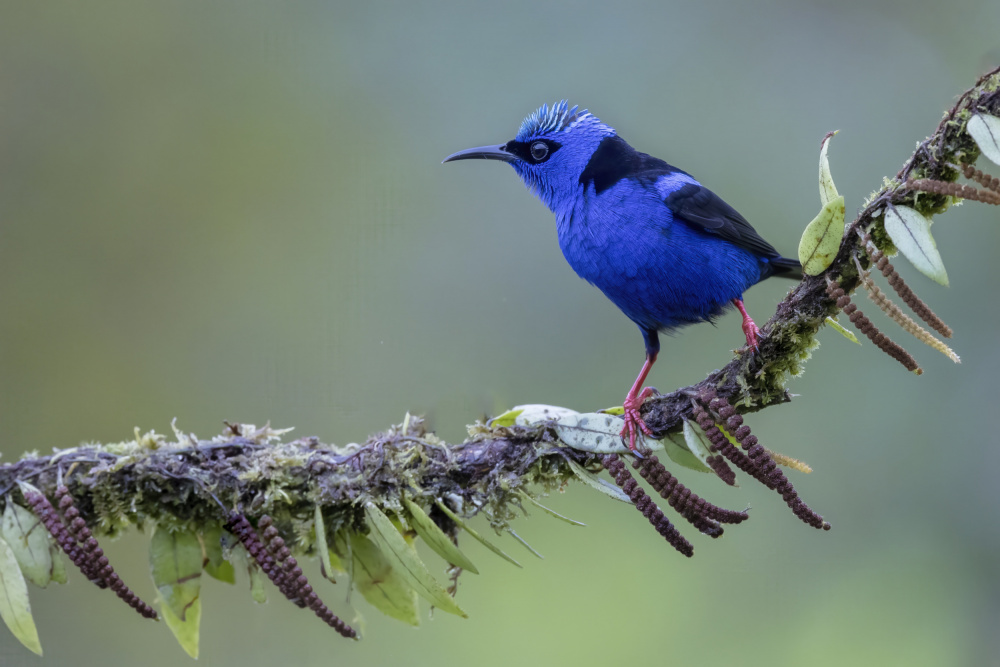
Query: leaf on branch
(827, 190)
(697, 442)
(821, 239)
(506, 419)
(985, 129)
(533, 414)
(323, 547)
(216, 565)
(479, 538)
(678, 451)
(15, 610)
(595, 432)
(175, 563)
(436, 538)
(910, 232)
(404, 559)
(187, 630)
(846, 333)
(380, 584)
(30, 542)
(598, 484)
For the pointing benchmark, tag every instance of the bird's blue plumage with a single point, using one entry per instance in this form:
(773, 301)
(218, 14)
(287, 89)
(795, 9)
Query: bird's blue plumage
(665, 249)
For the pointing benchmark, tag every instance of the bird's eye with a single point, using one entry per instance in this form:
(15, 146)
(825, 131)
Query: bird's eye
(539, 150)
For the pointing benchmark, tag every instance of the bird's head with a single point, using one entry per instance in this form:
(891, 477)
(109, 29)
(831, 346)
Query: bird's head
(550, 152)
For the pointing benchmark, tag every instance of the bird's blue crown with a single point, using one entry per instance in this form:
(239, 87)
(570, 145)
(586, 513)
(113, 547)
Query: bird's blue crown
(558, 118)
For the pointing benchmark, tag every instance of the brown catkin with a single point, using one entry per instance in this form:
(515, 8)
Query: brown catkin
(81, 546)
(282, 569)
(670, 489)
(765, 469)
(865, 326)
(985, 180)
(623, 478)
(954, 190)
(919, 308)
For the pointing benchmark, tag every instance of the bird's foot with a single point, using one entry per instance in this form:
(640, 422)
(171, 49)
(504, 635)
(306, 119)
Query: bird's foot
(634, 425)
(750, 328)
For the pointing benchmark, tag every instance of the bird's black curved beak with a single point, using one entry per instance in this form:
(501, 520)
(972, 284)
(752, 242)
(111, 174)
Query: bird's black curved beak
(482, 153)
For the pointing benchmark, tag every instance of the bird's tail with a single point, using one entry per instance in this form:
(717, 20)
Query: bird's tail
(785, 268)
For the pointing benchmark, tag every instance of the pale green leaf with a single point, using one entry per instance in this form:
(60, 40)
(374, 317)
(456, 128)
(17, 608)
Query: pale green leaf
(554, 513)
(479, 538)
(617, 410)
(985, 129)
(384, 587)
(697, 442)
(215, 564)
(827, 190)
(821, 239)
(536, 413)
(846, 333)
(30, 541)
(436, 538)
(58, 564)
(15, 610)
(187, 630)
(323, 547)
(524, 543)
(595, 432)
(506, 419)
(404, 559)
(175, 561)
(241, 560)
(598, 484)
(910, 232)
(679, 453)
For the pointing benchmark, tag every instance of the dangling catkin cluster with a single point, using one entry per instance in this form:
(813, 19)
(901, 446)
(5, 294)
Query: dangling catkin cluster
(865, 326)
(919, 308)
(619, 472)
(282, 569)
(80, 545)
(954, 190)
(760, 465)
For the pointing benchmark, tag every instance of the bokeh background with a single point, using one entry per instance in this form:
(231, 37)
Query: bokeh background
(236, 210)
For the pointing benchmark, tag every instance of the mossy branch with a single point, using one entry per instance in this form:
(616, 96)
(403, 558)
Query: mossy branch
(349, 505)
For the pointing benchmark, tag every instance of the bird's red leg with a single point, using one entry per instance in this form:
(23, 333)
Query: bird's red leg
(633, 401)
(750, 329)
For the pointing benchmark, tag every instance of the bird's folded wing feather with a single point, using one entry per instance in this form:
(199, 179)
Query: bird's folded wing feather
(703, 209)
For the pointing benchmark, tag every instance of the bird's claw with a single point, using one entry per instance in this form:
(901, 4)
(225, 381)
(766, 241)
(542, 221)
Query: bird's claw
(752, 332)
(634, 425)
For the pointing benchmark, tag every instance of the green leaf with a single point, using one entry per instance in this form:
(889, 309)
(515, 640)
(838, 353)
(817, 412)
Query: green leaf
(58, 564)
(697, 442)
(506, 419)
(846, 333)
(15, 610)
(910, 232)
(821, 239)
(524, 543)
(30, 541)
(594, 432)
(536, 413)
(175, 562)
(554, 513)
(404, 559)
(482, 540)
(323, 547)
(436, 538)
(185, 630)
(617, 410)
(598, 484)
(679, 453)
(215, 564)
(985, 129)
(241, 560)
(380, 584)
(827, 190)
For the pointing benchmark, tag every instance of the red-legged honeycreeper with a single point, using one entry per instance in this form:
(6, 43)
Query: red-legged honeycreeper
(665, 249)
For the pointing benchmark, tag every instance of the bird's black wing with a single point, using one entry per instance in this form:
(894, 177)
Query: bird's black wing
(701, 208)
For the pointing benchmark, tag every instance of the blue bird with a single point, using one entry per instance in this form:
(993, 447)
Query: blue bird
(666, 250)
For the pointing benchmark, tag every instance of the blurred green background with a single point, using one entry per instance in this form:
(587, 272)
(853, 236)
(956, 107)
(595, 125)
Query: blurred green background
(236, 210)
